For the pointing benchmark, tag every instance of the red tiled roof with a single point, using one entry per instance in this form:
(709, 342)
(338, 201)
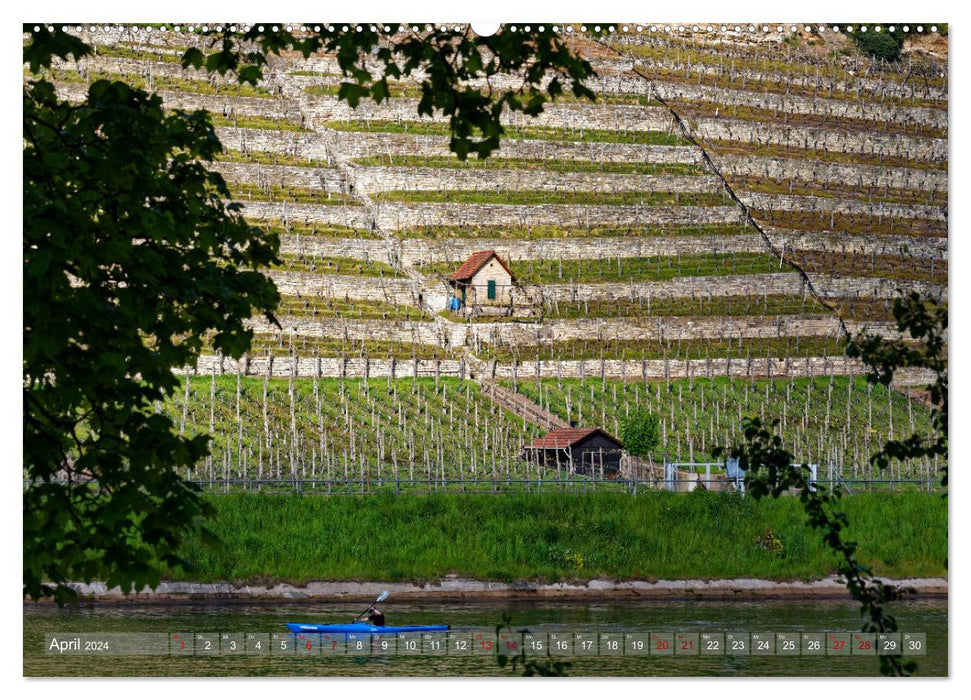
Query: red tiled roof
(562, 438)
(475, 263)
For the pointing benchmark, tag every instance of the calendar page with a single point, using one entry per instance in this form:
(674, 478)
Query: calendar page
(450, 349)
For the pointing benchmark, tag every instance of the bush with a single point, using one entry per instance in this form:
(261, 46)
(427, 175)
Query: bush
(640, 433)
(883, 45)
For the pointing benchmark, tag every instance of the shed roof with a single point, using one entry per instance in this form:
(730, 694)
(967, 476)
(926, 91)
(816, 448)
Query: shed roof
(562, 438)
(475, 263)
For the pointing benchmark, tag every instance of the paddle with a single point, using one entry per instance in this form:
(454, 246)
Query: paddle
(380, 599)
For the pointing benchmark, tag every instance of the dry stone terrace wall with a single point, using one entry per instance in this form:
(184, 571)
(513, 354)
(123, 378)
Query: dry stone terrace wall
(396, 291)
(821, 172)
(438, 333)
(227, 106)
(656, 370)
(661, 327)
(371, 180)
(289, 365)
(628, 370)
(738, 285)
(390, 216)
(842, 243)
(869, 143)
(453, 335)
(398, 215)
(874, 287)
(791, 202)
(579, 115)
(306, 145)
(358, 248)
(349, 216)
(645, 370)
(366, 144)
(326, 179)
(800, 104)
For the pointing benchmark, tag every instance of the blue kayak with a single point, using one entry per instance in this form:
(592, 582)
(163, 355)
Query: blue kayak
(363, 628)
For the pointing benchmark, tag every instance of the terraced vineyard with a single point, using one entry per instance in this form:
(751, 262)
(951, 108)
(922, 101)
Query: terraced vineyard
(830, 420)
(730, 206)
(354, 430)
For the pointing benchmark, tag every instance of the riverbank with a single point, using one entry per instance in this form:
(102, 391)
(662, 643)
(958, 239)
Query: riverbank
(456, 589)
(555, 539)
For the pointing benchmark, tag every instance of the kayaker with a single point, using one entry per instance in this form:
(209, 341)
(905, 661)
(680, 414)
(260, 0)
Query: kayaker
(375, 617)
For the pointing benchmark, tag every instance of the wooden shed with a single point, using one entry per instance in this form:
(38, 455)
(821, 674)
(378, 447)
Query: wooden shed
(483, 280)
(579, 450)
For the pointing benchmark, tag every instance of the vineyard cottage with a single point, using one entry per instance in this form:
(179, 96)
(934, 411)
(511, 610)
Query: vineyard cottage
(482, 280)
(580, 450)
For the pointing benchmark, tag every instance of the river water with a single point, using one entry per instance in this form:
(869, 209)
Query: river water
(928, 616)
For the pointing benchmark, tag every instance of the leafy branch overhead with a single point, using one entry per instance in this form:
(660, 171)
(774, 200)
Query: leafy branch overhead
(463, 76)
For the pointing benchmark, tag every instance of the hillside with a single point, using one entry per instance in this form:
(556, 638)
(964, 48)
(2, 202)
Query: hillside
(732, 205)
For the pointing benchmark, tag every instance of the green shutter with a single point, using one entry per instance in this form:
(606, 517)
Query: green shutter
(492, 289)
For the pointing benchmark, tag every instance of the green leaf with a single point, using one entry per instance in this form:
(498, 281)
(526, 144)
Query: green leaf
(193, 58)
(351, 93)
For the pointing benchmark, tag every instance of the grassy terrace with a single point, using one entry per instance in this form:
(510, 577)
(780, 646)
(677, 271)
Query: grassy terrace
(284, 344)
(862, 224)
(698, 109)
(819, 417)
(557, 537)
(165, 54)
(841, 190)
(532, 233)
(549, 165)
(242, 121)
(271, 158)
(322, 308)
(771, 150)
(669, 348)
(891, 267)
(337, 266)
(541, 133)
(598, 198)
(294, 195)
(659, 268)
(313, 228)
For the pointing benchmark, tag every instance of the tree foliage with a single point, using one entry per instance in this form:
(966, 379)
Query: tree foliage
(130, 257)
(769, 469)
(640, 432)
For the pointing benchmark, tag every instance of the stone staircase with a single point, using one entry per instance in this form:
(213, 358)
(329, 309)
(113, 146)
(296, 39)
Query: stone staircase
(520, 405)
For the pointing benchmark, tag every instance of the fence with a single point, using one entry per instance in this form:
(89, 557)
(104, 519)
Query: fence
(574, 484)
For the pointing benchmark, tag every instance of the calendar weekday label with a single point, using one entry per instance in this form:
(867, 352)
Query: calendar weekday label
(480, 642)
